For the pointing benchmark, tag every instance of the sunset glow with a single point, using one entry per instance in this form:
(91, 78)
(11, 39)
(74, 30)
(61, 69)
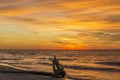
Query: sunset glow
(60, 24)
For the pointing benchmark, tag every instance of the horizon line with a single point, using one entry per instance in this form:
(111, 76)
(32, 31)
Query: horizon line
(56, 49)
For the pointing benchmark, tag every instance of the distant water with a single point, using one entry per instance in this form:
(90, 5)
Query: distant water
(79, 65)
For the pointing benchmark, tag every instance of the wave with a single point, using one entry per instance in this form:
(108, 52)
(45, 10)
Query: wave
(92, 68)
(5, 68)
(73, 78)
(109, 63)
(64, 59)
(82, 67)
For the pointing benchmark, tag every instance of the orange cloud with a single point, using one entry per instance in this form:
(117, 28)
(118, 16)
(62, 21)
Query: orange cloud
(60, 24)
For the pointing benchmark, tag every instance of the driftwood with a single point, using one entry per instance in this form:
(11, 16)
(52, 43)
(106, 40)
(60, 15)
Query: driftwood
(58, 69)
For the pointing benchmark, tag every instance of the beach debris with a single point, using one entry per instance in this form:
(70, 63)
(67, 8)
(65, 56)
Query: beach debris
(58, 69)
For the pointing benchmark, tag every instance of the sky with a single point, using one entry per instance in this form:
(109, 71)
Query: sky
(60, 24)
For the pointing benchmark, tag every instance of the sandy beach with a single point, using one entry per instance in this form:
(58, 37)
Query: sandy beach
(8, 72)
(11, 73)
(12, 76)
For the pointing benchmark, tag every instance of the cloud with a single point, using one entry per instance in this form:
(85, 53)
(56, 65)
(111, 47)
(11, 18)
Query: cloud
(64, 43)
(23, 19)
(105, 36)
(13, 4)
(62, 22)
(87, 36)
(113, 19)
(99, 36)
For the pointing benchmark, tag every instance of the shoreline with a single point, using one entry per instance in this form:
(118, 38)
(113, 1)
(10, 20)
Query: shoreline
(14, 76)
(8, 72)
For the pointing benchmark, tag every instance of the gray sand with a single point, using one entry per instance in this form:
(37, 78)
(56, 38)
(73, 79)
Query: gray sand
(12, 76)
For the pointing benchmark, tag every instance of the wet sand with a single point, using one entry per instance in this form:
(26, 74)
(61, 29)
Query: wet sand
(12, 76)
(8, 72)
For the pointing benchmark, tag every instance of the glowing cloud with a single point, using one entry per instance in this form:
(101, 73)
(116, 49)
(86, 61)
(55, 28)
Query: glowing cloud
(59, 24)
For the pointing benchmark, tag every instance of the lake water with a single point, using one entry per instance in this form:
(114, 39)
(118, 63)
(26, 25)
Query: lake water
(79, 65)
